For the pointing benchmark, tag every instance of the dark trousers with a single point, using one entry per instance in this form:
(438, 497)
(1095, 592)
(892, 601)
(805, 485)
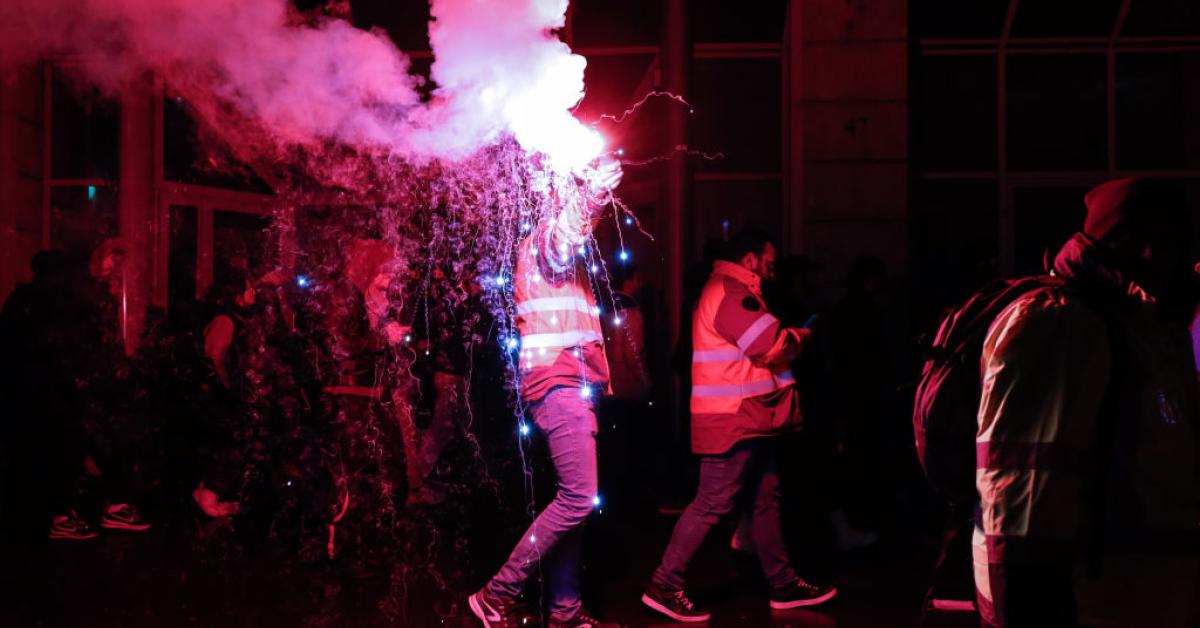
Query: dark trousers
(568, 421)
(746, 474)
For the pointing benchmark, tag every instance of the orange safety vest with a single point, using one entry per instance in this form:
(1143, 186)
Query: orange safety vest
(551, 318)
(722, 374)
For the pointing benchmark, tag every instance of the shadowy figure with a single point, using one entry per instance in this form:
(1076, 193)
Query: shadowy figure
(44, 438)
(864, 392)
(1087, 427)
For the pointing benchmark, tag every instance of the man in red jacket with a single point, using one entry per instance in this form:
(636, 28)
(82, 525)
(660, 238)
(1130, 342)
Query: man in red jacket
(742, 395)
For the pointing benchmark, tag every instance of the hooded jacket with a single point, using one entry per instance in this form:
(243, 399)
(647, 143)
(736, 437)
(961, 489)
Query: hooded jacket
(1086, 456)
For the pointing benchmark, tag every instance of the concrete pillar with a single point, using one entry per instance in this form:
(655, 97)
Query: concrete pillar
(847, 174)
(137, 206)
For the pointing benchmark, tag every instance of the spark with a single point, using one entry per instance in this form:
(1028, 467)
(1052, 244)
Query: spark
(638, 105)
(681, 149)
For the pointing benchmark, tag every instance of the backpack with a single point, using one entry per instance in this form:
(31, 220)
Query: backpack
(947, 399)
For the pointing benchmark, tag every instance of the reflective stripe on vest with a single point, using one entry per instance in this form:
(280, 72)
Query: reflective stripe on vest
(551, 318)
(555, 304)
(755, 330)
(749, 389)
(560, 340)
(717, 355)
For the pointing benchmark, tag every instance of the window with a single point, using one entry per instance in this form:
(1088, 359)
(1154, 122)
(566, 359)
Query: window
(1155, 95)
(1056, 112)
(955, 124)
(740, 116)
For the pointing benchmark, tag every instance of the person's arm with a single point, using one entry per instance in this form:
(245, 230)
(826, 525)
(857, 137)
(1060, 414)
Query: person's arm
(634, 326)
(745, 322)
(1045, 369)
(218, 335)
(557, 240)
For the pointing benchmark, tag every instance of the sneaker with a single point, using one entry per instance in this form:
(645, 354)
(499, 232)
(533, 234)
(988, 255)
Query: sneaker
(495, 612)
(801, 594)
(673, 604)
(71, 526)
(123, 517)
(582, 619)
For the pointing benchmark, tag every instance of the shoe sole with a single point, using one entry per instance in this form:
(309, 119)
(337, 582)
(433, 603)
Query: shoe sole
(473, 602)
(73, 537)
(649, 601)
(953, 606)
(783, 606)
(133, 527)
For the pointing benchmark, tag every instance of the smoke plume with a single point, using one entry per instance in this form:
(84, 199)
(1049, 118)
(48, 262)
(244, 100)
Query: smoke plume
(257, 64)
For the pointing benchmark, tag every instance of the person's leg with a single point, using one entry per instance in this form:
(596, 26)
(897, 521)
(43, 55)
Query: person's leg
(562, 575)
(448, 408)
(765, 528)
(721, 479)
(569, 423)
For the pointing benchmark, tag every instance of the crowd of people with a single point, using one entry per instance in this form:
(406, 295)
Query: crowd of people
(1081, 436)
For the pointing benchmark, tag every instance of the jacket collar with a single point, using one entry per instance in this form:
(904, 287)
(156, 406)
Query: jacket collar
(738, 273)
(1082, 262)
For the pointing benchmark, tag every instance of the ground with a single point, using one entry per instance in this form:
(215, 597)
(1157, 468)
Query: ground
(166, 577)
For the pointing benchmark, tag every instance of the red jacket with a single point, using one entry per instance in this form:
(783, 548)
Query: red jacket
(741, 385)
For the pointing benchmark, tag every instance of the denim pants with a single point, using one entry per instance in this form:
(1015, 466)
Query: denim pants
(746, 474)
(568, 421)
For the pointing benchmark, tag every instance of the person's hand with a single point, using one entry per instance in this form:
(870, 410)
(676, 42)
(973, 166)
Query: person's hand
(396, 333)
(91, 468)
(605, 177)
(275, 278)
(211, 503)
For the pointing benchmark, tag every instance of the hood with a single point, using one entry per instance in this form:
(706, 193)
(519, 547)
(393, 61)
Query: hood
(1082, 262)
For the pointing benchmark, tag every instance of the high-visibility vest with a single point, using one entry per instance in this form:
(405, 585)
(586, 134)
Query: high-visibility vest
(551, 318)
(722, 374)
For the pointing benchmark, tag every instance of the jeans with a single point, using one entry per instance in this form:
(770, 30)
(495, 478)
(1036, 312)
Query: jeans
(568, 422)
(746, 473)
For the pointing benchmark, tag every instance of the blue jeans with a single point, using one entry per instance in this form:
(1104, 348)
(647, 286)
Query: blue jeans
(746, 473)
(568, 422)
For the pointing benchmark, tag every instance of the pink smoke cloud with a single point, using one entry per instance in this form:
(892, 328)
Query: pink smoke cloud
(499, 68)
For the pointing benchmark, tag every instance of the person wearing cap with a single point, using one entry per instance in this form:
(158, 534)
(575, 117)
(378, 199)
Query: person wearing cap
(1087, 444)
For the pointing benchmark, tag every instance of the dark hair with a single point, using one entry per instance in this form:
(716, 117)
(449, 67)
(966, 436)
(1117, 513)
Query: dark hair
(863, 269)
(48, 262)
(622, 273)
(748, 240)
